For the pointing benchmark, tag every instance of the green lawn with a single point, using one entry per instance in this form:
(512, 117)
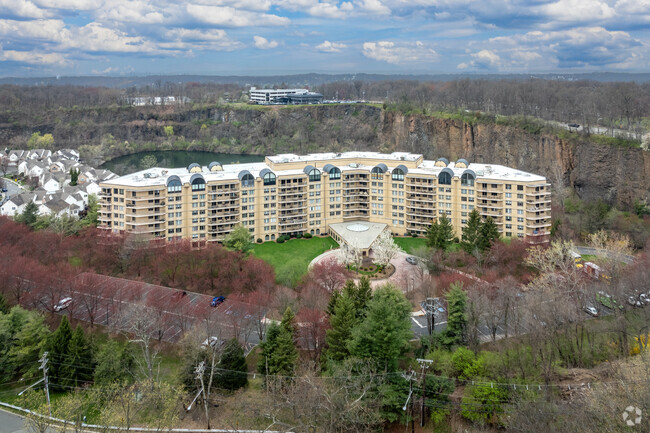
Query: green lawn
(410, 244)
(290, 259)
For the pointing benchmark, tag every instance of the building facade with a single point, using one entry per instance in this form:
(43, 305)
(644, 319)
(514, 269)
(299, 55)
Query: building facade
(284, 96)
(290, 194)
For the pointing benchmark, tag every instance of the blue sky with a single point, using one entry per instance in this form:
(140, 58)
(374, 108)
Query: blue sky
(267, 37)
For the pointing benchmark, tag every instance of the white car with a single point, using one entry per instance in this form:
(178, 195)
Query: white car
(210, 342)
(63, 304)
(592, 311)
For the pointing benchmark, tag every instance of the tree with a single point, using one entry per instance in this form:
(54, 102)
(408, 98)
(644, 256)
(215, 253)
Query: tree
(489, 234)
(58, 349)
(148, 161)
(29, 215)
(440, 234)
(386, 330)
(74, 176)
(384, 249)
(232, 371)
(38, 141)
(342, 322)
(238, 240)
(79, 366)
(115, 363)
(4, 308)
(471, 237)
(169, 130)
(456, 332)
(279, 354)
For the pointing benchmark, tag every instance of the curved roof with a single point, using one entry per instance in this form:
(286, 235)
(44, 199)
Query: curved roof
(308, 169)
(446, 170)
(468, 171)
(403, 168)
(213, 164)
(244, 173)
(382, 167)
(329, 167)
(463, 161)
(445, 160)
(265, 171)
(193, 165)
(172, 178)
(195, 177)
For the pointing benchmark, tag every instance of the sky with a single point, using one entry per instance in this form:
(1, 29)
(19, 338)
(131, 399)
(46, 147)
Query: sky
(270, 37)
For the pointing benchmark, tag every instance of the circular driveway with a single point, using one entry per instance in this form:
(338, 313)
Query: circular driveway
(406, 276)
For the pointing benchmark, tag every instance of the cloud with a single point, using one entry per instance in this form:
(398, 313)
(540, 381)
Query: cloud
(374, 7)
(34, 57)
(79, 5)
(231, 17)
(399, 52)
(130, 11)
(584, 47)
(330, 47)
(22, 9)
(263, 43)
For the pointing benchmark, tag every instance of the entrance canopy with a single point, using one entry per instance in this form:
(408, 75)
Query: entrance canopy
(357, 234)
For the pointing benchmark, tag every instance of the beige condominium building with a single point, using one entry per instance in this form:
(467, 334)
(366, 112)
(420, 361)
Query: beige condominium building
(290, 194)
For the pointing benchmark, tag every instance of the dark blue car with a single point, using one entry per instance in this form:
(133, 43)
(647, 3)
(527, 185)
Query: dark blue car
(217, 300)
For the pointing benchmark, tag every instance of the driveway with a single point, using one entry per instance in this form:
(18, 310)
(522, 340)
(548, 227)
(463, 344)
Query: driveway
(12, 189)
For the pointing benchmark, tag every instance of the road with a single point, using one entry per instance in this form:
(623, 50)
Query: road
(11, 423)
(609, 254)
(12, 189)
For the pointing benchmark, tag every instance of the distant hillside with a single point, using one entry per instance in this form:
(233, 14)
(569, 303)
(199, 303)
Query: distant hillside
(309, 80)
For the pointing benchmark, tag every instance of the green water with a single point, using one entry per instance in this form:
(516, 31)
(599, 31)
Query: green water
(174, 159)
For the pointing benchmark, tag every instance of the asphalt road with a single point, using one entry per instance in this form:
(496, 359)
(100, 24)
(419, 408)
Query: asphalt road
(11, 423)
(12, 189)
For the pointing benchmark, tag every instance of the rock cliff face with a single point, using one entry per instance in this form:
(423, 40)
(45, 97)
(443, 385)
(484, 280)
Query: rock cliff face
(617, 175)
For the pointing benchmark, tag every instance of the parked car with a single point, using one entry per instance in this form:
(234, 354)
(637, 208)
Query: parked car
(217, 300)
(592, 311)
(411, 260)
(63, 304)
(4, 189)
(644, 298)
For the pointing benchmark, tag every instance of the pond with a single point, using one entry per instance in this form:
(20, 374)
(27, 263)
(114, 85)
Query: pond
(174, 159)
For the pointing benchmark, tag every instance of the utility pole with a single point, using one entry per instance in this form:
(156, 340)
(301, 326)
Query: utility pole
(425, 364)
(429, 308)
(199, 370)
(43, 367)
(410, 377)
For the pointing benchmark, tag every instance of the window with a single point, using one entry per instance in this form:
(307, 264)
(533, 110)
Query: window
(247, 181)
(467, 179)
(376, 173)
(198, 184)
(335, 173)
(269, 179)
(444, 178)
(174, 185)
(398, 174)
(314, 175)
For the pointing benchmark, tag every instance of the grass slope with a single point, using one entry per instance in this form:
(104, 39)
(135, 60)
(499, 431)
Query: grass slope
(290, 259)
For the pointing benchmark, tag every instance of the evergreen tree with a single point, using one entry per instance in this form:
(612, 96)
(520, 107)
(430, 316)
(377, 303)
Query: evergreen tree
(23, 344)
(472, 232)
(115, 362)
(29, 215)
(363, 296)
(289, 321)
(489, 234)
(440, 234)
(456, 332)
(385, 332)
(78, 368)
(331, 305)
(278, 351)
(232, 369)
(342, 322)
(4, 308)
(74, 176)
(57, 348)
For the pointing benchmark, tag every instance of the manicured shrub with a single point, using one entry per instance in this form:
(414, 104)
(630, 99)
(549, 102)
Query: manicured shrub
(259, 240)
(307, 235)
(280, 240)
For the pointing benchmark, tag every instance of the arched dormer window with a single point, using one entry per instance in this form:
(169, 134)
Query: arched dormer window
(197, 182)
(314, 175)
(467, 178)
(444, 178)
(174, 184)
(378, 171)
(332, 171)
(399, 172)
(246, 178)
(269, 178)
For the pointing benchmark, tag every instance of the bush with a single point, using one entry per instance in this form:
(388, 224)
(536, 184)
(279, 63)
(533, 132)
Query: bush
(298, 235)
(307, 235)
(280, 240)
(483, 404)
(415, 235)
(259, 240)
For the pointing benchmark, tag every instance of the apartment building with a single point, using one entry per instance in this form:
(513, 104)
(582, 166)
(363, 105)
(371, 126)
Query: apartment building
(290, 194)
